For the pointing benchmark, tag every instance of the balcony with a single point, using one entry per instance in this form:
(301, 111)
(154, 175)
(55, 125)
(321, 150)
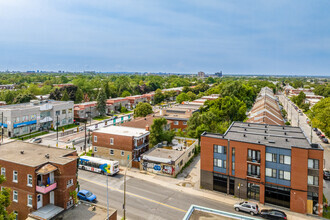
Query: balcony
(141, 146)
(253, 175)
(46, 188)
(254, 160)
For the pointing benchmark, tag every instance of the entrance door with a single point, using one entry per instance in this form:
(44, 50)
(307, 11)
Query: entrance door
(39, 201)
(51, 197)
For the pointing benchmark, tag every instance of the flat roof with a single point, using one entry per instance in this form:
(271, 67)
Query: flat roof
(31, 105)
(270, 135)
(165, 153)
(34, 154)
(123, 131)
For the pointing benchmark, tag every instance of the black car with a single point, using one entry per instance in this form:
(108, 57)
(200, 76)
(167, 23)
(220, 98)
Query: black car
(318, 133)
(326, 174)
(272, 214)
(315, 129)
(325, 140)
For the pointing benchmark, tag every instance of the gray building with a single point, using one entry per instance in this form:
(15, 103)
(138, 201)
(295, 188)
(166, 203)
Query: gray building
(33, 116)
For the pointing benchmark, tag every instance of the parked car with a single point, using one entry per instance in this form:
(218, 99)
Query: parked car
(86, 196)
(322, 136)
(326, 174)
(249, 207)
(315, 129)
(325, 140)
(318, 133)
(273, 214)
(36, 140)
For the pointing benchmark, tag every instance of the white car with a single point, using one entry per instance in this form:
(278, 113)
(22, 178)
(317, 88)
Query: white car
(249, 207)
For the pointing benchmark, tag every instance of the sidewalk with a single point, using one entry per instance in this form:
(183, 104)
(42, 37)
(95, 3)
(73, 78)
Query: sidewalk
(220, 197)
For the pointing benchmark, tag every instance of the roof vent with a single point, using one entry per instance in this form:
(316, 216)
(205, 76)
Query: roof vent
(283, 128)
(22, 151)
(265, 131)
(265, 137)
(258, 142)
(249, 125)
(145, 118)
(287, 140)
(47, 156)
(271, 142)
(245, 129)
(244, 135)
(284, 133)
(265, 126)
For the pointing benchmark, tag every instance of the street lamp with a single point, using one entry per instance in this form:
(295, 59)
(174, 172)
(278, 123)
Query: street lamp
(124, 206)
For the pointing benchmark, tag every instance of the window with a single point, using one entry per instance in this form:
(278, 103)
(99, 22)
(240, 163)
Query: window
(16, 215)
(233, 152)
(233, 166)
(95, 149)
(284, 175)
(69, 183)
(271, 157)
(15, 196)
(184, 123)
(313, 180)
(95, 138)
(29, 200)
(122, 153)
(254, 155)
(57, 112)
(70, 110)
(253, 170)
(271, 172)
(63, 111)
(219, 163)
(220, 149)
(285, 159)
(3, 171)
(15, 176)
(111, 141)
(313, 164)
(111, 152)
(29, 180)
(181, 162)
(176, 122)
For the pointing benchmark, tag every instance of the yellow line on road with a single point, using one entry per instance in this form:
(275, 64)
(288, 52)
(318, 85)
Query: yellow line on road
(131, 194)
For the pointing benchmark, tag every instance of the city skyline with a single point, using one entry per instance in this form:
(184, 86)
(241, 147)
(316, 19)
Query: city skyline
(250, 37)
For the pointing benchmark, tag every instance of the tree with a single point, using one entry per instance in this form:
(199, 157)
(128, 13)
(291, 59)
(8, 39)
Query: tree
(182, 97)
(125, 94)
(79, 96)
(5, 202)
(142, 109)
(65, 96)
(320, 115)
(123, 109)
(192, 96)
(22, 98)
(159, 97)
(157, 132)
(107, 89)
(101, 102)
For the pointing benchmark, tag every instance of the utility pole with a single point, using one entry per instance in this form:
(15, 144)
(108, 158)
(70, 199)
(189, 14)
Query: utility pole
(311, 131)
(90, 115)
(56, 130)
(85, 139)
(2, 128)
(124, 206)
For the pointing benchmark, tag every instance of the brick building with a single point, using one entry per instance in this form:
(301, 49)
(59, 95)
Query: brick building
(268, 163)
(177, 116)
(119, 142)
(115, 103)
(85, 110)
(40, 178)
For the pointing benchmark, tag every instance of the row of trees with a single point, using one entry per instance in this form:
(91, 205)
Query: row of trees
(319, 114)
(299, 100)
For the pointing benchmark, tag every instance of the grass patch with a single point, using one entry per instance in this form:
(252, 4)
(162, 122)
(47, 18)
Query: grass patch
(326, 208)
(89, 153)
(66, 127)
(101, 118)
(32, 135)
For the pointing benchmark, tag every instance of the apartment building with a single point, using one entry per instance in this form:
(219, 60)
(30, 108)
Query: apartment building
(115, 104)
(120, 143)
(267, 163)
(178, 116)
(83, 111)
(136, 99)
(36, 115)
(40, 178)
(266, 109)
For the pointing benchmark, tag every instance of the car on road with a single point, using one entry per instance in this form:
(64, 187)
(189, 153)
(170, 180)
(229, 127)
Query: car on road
(318, 133)
(321, 136)
(36, 140)
(86, 196)
(326, 174)
(272, 214)
(315, 129)
(325, 140)
(249, 207)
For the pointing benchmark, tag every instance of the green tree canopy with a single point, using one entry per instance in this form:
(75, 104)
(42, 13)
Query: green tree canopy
(157, 132)
(182, 97)
(125, 93)
(142, 109)
(159, 97)
(65, 96)
(192, 96)
(5, 202)
(79, 96)
(320, 115)
(101, 102)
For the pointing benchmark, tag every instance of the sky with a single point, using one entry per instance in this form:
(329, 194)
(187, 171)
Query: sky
(178, 36)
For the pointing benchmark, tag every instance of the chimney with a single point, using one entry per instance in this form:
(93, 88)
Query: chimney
(22, 151)
(147, 128)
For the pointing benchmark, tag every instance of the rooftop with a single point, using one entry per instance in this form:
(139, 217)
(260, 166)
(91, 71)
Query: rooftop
(32, 105)
(141, 122)
(33, 154)
(269, 135)
(123, 131)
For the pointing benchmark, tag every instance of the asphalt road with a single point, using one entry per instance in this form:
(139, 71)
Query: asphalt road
(144, 200)
(301, 120)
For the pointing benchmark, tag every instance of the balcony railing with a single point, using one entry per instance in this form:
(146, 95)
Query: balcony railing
(253, 160)
(142, 145)
(45, 189)
(253, 175)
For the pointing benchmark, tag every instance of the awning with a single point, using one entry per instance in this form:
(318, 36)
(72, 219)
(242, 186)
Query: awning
(46, 119)
(48, 168)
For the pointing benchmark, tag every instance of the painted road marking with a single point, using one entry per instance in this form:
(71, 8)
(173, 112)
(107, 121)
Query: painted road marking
(132, 194)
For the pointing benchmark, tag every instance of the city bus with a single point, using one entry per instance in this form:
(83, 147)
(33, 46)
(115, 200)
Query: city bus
(98, 165)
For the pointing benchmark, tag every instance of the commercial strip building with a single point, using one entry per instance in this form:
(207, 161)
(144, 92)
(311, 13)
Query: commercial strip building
(40, 178)
(169, 159)
(20, 119)
(268, 163)
(120, 143)
(266, 109)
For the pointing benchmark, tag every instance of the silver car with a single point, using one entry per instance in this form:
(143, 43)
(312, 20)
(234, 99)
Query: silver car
(249, 207)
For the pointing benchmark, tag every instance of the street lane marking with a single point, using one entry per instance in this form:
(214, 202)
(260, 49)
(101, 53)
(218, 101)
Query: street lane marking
(132, 194)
